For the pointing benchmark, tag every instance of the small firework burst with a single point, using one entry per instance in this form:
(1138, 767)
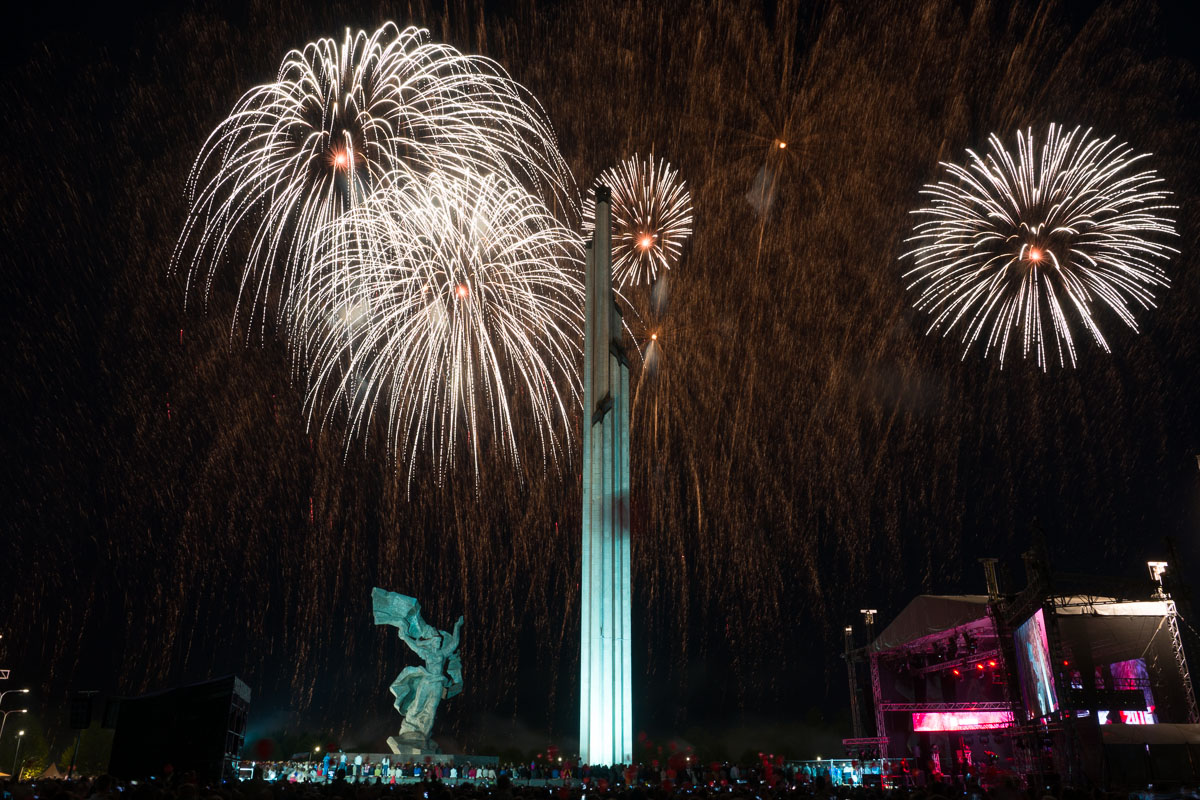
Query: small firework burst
(651, 218)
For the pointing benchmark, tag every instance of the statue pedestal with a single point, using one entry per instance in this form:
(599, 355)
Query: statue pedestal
(413, 747)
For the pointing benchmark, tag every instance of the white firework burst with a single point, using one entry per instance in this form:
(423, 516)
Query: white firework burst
(651, 218)
(341, 118)
(452, 306)
(1009, 242)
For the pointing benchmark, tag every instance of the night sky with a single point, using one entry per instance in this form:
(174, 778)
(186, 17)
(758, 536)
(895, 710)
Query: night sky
(801, 450)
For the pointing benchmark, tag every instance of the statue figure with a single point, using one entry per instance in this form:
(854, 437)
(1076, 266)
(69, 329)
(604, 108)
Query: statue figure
(418, 690)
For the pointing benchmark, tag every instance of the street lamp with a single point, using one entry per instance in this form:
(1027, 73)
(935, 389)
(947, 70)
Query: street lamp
(13, 691)
(4, 718)
(20, 738)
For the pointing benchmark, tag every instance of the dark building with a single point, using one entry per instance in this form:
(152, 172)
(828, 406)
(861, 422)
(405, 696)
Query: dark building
(198, 728)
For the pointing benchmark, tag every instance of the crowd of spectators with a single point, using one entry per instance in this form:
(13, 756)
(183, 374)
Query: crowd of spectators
(508, 785)
(362, 769)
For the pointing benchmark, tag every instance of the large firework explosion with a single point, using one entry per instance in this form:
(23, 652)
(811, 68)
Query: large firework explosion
(348, 127)
(449, 305)
(1025, 242)
(651, 218)
(340, 118)
(814, 450)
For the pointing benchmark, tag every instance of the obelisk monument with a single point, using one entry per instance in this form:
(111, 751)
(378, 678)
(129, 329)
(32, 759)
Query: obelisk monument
(605, 698)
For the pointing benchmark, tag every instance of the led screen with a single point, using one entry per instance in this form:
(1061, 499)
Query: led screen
(930, 721)
(1126, 717)
(1033, 667)
(1132, 674)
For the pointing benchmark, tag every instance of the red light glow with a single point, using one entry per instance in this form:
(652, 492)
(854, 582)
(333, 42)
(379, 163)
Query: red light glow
(461, 291)
(1035, 254)
(932, 721)
(646, 242)
(340, 159)
(955, 672)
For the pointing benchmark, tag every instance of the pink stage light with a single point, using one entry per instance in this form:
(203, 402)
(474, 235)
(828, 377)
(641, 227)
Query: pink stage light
(934, 721)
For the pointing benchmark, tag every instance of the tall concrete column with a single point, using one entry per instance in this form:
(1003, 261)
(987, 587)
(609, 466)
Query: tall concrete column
(605, 698)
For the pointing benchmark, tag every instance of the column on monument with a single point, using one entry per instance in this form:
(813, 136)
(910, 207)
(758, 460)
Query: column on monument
(621, 732)
(606, 729)
(589, 652)
(624, 731)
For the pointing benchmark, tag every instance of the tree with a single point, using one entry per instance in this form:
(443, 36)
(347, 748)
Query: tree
(95, 749)
(35, 750)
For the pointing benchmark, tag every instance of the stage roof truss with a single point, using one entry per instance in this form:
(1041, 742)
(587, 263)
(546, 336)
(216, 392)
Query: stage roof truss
(947, 707)
(967, 662)
(1100, 606)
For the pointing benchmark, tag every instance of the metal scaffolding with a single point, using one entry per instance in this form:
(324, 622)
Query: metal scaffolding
(1002, 705)
(1181, 660)
(856, 723)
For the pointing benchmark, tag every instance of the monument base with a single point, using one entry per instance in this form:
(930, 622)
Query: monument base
(413, 748)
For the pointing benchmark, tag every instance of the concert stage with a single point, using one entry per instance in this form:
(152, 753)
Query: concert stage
(1060, 682)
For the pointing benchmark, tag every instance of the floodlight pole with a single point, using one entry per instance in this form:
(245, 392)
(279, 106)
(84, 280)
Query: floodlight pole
(4, 718)
(876, 690)
(74, 754)
(20, 738)
(855, 712)
(1159, 569)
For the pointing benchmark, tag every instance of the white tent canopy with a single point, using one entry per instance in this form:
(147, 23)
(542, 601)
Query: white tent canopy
(929, 614)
